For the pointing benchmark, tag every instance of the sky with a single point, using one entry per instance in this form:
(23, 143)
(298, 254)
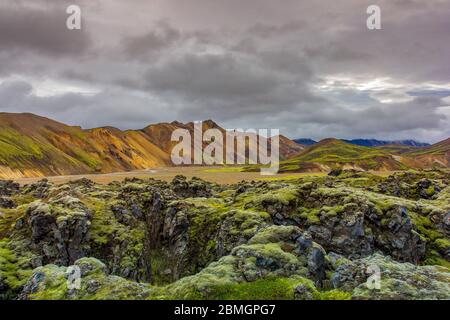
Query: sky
(310, 68)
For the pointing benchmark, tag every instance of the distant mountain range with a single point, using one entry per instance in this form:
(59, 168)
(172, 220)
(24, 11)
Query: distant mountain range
(305, 142)
(34, 146)
(377, 143)
(370, 142)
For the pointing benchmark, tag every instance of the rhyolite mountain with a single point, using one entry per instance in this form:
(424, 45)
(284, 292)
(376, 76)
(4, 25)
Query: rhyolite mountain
(330, 154)
(436, 155)
(35, 146)
(32, 145)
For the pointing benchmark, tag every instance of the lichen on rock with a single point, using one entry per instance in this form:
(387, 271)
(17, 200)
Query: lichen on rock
(307, 238)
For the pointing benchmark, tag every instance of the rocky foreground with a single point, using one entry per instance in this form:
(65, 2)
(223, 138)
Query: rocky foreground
(312, 238)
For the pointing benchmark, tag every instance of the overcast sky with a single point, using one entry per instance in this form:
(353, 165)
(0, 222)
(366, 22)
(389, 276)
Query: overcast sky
(308, 67)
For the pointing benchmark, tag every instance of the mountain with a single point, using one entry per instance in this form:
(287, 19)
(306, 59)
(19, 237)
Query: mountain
(329, 154)
(377, 143)
(32, 145)
(436, 155)
(305, 142)
(289, 148)
(370, 142)
(160, 134)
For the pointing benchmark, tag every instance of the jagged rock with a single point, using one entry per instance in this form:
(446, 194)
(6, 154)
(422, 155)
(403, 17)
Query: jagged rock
(61, 237)
(349, 225)
(232, 233)
(194, 188)
(122, 214)
(401, 241)
(92, 286)
(7, 203)
(8, 188)
(32, 286)
(136, 211)
(175, 235)
(426, 189)
(155, 220)
(335, 172)
(89, 266)
(411, 185)
(316, 264)
(302, 292)
(39, 189)
(95, 282)
(283, 260)
(83, 182)
(396, 280)
(195, 240)
(446, 220)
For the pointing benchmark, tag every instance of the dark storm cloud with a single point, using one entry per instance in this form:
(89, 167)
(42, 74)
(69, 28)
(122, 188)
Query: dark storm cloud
(71, 108)
(310, 68)
(144, 46)
(212, 75)
(43, 31)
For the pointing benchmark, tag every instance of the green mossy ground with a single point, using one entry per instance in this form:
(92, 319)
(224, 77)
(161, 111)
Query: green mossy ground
(210, 246)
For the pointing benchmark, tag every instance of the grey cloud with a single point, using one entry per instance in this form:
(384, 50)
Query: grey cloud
(233, 85)
(43, 31)
(162, 37)
(110, 108)
(217, 75)
(253, 63)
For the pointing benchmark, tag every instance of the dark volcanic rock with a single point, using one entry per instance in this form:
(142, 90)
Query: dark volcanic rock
(60, 237)
(39, 189)
(8, 188)
(7, 203)
(193, 188)
(401, 241)
(304, 237)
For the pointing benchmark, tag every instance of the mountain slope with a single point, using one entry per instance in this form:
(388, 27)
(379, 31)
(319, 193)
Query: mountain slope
(396, 149)
(32, 146)
(289, 148)
(436, 155)
(333, 153)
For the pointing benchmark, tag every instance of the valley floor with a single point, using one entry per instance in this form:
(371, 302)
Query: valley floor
(214, 174)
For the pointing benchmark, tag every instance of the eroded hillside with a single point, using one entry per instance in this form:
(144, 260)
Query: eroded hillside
(34, 146)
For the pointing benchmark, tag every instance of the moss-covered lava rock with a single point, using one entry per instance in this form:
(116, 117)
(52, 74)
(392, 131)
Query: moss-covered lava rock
(318, 237)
